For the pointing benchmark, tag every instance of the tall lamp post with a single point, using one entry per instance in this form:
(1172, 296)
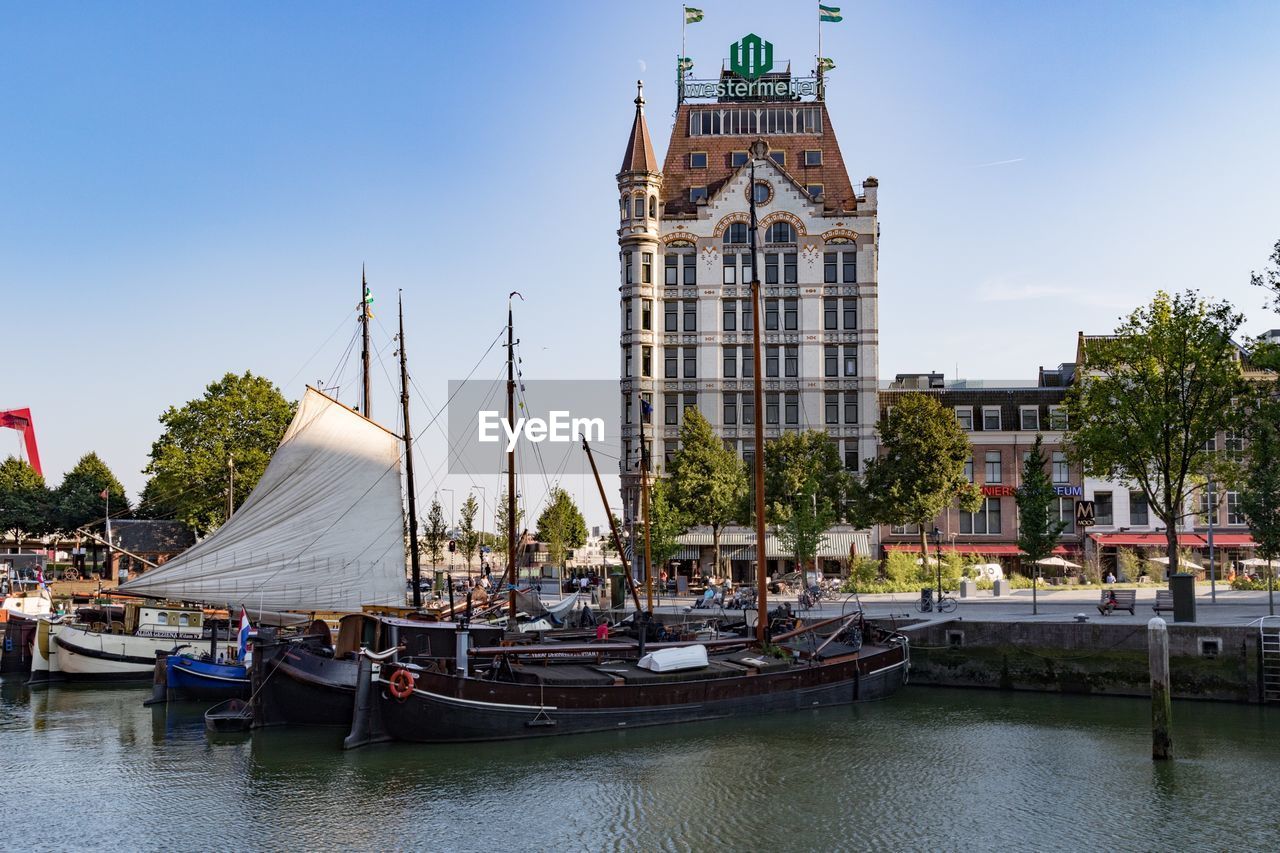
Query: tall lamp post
(936, 536)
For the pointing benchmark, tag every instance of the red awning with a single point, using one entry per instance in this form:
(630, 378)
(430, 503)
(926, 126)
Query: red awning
(994, 549)
(1185, 540)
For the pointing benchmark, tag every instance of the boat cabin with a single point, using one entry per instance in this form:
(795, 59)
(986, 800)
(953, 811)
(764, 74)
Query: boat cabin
(180, 623)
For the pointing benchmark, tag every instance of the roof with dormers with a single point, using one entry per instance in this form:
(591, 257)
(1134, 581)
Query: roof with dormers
(678, 176)
(639, 156)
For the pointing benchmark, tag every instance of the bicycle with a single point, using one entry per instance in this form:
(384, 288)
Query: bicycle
(944, 604)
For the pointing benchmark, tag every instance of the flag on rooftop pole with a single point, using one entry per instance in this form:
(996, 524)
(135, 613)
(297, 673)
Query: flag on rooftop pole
(692, 15)
(829, 14)
(684, 63)
(825, 64)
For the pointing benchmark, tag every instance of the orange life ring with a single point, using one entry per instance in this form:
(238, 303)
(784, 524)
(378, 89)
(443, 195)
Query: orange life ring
(402, 682)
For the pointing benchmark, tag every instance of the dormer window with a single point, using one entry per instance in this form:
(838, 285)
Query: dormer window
(813, 158)
(697, 194)
(737, 158)
(814, 190)
(698, 160)
(779, 157)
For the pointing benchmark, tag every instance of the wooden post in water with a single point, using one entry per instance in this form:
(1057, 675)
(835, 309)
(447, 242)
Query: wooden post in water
(1161, 705)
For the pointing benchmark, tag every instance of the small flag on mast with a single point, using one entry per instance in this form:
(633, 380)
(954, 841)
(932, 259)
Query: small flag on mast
(245, 628)
(829, 14)
(684, 63)
(692, 15)
(825, 64)
(103, 494)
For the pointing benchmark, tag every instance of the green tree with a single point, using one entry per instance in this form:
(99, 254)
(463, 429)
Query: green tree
(502, 526)
(434, 533)
(561, 526)
(469, 541)
(1038, 523)
(920, 471)
(1269, 278)
(666, 524)
(240, 418)
(606, 545)
(25, 504)
(708, 481)
(1260, 488)
(804, 464)
(78, 500)
(1147, 401)
(805, 528)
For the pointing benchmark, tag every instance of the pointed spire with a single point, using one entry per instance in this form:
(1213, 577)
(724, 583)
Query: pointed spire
(639, 156)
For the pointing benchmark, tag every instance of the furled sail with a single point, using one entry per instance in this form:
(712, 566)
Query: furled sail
(322, 530)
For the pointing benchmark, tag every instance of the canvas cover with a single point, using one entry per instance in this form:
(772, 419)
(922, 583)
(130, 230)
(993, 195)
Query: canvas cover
(322, 530)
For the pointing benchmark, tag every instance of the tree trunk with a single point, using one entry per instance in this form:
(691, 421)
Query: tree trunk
(715, 544)
(1171, 547)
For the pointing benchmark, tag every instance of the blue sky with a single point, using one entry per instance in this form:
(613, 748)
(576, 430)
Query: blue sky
(189, 189)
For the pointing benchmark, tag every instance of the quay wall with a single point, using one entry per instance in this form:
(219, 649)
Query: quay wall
(1205, 662)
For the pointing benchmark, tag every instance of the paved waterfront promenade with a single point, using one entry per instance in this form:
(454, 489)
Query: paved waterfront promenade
(1232, 608)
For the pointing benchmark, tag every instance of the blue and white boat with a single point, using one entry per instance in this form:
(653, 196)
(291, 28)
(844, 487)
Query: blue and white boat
(200, 679)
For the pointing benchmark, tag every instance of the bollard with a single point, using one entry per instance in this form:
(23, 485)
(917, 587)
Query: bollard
(1161, 706)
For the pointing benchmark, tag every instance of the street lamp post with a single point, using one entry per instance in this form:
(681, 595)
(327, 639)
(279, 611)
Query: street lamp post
(936, 535)
(480, 539)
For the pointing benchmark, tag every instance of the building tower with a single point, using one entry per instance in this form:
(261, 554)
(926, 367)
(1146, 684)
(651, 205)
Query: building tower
(686, 269)
(639, 188)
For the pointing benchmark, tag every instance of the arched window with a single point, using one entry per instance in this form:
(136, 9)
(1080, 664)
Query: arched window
(736, 233)
(637, 205)
(780, 232)
(624, 206)
(653, 207)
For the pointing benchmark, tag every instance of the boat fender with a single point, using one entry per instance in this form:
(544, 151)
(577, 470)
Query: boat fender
(402, 682)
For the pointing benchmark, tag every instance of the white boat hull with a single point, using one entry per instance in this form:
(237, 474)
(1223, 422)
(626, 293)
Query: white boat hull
(84, 655)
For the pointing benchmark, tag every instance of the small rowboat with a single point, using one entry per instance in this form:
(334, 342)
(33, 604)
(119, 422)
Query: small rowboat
(233, 715)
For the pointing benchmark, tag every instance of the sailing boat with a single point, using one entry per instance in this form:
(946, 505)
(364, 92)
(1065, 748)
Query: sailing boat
(311, 679)
(509, 692)
(322, 531)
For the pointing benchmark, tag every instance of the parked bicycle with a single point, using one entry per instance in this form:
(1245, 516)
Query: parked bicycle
(944, 604)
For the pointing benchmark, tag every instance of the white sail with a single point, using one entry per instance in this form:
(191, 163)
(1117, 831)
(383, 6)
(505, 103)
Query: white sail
(322, 530)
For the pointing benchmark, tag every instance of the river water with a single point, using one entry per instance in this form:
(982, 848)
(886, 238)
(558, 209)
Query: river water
(928, 769)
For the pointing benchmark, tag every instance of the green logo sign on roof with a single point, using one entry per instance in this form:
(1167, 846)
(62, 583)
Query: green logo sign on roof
(751, 57)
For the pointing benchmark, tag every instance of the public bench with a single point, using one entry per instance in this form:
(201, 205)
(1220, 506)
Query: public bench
(1124, 600)
(1164, 600)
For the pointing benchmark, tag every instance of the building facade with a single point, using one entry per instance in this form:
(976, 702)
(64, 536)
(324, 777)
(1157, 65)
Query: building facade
(1002, 419)
(685, 267)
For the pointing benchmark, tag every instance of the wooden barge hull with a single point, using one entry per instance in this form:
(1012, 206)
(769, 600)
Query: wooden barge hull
(294, 686)
(445, 708)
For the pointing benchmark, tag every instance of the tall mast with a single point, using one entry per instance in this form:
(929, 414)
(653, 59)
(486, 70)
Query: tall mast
(364, 350)
(408, 464)
(757, 388)
(646, 410)
(511, 470)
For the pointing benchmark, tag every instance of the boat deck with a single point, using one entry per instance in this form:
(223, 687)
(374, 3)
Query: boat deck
(611, 672)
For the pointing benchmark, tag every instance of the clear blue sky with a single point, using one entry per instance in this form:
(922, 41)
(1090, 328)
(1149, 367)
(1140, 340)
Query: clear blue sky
(188, 189)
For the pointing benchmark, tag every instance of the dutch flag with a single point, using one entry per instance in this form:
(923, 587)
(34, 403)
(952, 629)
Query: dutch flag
(244, 634)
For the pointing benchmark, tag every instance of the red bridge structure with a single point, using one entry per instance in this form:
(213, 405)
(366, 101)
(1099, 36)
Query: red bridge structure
(20, 419)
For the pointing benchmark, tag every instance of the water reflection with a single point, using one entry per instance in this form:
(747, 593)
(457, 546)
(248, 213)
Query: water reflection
(936, 769)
